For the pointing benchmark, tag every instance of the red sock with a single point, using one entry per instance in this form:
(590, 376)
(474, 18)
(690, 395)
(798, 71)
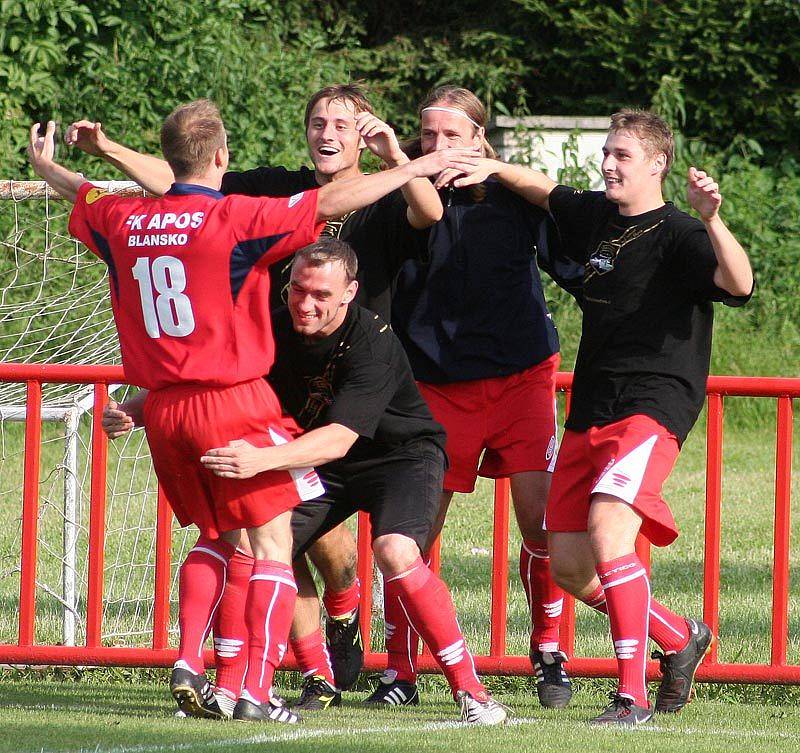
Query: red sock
(545, 598)
(627, 590)
(230, 630)
(402, 641)
(312, 656)
(202, 581)
(596, 600)
(667, 629)
(268, 614)
(342, 603)
(428, 606)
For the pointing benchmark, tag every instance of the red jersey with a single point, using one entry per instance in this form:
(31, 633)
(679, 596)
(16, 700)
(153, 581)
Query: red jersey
(189, 277)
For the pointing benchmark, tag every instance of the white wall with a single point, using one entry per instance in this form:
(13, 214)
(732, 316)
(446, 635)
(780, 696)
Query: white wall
(540, 138)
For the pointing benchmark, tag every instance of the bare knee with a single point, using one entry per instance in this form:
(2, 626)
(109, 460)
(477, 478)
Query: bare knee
(395, 553)
(572, 563)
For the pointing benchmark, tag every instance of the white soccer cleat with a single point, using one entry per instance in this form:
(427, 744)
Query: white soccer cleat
(484, 711)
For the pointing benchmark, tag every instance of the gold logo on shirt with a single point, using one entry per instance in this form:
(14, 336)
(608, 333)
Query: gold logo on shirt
(93, 194)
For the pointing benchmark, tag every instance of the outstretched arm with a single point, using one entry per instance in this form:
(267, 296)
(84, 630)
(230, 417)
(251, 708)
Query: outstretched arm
(151, 173)
(733, 272)
(240, 459)
(342, 196)
(424, 205)
(41, 150)
(532, 185)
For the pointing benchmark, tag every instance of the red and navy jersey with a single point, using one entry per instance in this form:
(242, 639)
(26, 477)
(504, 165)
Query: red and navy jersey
(189, 277)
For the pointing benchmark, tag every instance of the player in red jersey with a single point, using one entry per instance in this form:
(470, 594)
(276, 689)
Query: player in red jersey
(652, 273)
(339, 122)
(189, 288)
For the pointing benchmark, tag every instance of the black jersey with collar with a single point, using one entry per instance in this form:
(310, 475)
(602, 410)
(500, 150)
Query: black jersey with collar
(372, 232)
(647, 311)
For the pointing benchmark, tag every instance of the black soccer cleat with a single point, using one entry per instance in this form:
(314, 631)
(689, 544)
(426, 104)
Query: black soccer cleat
(622, 712)
(346, 649)
(194, 695)
(269, 711)
(678, 669)
(552, 684)
(391, 692)
(317, 695)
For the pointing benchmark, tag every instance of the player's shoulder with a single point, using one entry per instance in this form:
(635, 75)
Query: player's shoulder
(269, 181)
(368, 335)
(682, 225)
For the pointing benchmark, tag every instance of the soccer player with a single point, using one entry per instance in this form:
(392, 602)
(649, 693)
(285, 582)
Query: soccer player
(473, 319)
(652, 273)
(189, 292)
(344, 377)
(339, 123)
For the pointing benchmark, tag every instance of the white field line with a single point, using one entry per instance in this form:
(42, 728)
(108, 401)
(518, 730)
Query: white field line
(302, 733)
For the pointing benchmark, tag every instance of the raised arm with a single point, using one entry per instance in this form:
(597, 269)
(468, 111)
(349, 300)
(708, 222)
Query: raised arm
(342, 196)
(151, 173)
(733, 272)
(41, 150)
(424, 205)
(532, 185)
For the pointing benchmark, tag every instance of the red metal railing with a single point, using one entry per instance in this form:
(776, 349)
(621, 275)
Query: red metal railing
(496, 661)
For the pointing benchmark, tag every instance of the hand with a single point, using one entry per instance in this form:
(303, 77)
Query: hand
(379, 137)
(116, 421)
(469, 174)
(703, 194)
(451, 161)
(88, 137)
(239, 459)
(42, 149)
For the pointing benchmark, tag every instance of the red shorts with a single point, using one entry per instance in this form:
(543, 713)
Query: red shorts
(184, 421)
(629, 459)
(512, 418)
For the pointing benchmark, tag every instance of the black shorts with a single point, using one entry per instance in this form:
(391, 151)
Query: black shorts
(401, 495)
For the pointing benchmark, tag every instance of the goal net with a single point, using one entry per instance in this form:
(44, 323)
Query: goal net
(55, 308)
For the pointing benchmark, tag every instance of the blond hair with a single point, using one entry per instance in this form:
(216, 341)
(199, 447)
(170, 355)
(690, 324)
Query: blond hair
(464, 100)
(651, 130)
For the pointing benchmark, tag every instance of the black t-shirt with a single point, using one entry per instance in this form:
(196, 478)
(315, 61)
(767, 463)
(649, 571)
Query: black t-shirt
(372, 232)
(358, 377)
(647, 312)
(472, 306)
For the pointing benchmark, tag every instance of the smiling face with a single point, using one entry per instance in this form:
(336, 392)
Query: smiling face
(441, 129)
(632, 173)
(333, 141)
(318, 297)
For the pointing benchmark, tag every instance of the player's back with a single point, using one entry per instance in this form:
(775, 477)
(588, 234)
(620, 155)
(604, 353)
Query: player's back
(188, 276)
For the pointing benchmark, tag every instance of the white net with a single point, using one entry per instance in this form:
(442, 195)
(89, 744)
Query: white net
(54, 308)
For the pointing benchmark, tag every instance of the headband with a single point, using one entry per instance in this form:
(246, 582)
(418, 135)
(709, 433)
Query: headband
(454, 111)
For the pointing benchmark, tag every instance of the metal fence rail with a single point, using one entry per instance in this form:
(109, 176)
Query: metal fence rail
(497, 661)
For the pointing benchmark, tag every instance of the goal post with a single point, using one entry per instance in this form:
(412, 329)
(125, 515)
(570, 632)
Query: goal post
(55, 308)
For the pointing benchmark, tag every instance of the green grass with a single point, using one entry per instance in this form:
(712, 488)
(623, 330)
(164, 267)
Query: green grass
(103, 715)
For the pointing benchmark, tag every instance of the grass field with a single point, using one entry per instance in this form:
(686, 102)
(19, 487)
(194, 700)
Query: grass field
(101, 715)
(121, 710)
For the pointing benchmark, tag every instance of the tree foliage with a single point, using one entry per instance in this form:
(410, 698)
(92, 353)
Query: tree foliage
(726, 72)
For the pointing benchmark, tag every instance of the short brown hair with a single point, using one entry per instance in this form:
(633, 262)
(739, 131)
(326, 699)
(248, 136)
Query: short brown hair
(650, 129)
(327, 249)
(354, 93)
(190, 135)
